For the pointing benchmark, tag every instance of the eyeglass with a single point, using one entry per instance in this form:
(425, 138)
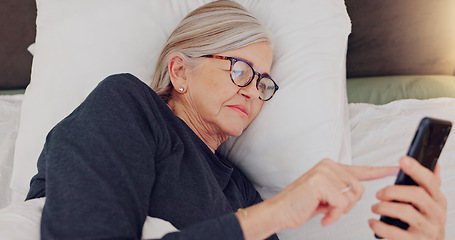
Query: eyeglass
(242, 74)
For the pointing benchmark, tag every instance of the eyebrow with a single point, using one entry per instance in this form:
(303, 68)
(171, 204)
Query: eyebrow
(252, 65)
(246, 61)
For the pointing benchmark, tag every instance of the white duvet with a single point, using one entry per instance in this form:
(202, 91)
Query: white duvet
(380, 135)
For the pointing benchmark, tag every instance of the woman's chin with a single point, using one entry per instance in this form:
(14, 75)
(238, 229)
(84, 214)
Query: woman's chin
(234, 131)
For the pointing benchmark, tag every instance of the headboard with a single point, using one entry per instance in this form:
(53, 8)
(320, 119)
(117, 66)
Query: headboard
(389, 37)
(406, 37)
(17, 32)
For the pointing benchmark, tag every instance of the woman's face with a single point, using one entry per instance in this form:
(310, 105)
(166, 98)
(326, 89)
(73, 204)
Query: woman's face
(219, 105)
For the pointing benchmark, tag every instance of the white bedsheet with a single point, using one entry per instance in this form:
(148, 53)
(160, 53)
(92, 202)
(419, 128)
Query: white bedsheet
(21, 221)
(380, 135)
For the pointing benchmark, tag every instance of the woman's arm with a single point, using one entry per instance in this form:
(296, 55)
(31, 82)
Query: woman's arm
(426, 213)
(317, 191)
(99, 169)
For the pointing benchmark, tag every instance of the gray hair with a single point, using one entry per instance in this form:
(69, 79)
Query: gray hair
(212, 28)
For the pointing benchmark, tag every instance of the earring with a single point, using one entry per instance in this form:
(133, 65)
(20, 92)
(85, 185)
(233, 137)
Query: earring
(181, 89)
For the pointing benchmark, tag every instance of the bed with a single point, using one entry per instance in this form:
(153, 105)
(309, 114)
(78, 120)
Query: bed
(355, 79)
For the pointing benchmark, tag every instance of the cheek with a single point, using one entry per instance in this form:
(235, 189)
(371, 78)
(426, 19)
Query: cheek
(209, 92)
(215, 96)
(212, 82)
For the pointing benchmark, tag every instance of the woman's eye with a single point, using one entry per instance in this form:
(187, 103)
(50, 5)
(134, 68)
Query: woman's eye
(237, 73)
(262, 87)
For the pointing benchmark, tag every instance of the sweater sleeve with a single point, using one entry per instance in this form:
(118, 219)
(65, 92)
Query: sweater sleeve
(252, 196)
(90, 161)
(97, 171)
(223, 228)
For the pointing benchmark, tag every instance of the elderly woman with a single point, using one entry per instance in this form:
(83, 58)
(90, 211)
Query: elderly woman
(128, 152)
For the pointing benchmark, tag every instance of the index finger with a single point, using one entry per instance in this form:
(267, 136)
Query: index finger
(366, 173)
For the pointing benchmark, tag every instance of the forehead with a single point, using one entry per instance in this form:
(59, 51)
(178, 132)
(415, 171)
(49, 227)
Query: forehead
(259, 55)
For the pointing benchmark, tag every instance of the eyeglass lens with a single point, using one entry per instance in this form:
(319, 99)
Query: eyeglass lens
(242, 74)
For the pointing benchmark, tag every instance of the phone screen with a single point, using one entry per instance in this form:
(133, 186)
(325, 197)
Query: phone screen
(426, 147)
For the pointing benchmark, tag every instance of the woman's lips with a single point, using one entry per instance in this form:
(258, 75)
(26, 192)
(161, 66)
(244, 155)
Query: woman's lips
(241, 109)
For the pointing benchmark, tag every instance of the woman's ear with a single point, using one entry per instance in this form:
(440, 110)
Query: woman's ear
(177, 67)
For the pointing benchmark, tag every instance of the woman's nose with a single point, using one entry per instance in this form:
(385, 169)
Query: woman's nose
(250, 91)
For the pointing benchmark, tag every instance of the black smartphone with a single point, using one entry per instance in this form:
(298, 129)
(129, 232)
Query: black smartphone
(428, 142)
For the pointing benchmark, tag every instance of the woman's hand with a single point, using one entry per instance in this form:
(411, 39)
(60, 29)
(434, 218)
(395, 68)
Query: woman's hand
(320, 190)
(427, 214)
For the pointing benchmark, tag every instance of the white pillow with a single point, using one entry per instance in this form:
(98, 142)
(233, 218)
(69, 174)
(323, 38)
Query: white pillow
(80, 42)
(307, 120)
(10, 109)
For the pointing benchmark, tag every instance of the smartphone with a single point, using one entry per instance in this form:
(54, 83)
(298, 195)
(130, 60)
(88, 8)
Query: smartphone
(428, 142)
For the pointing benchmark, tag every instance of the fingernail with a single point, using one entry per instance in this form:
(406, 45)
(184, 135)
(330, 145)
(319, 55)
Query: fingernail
(373, 208)
(379, 194)
(370, 221)
(395, 171)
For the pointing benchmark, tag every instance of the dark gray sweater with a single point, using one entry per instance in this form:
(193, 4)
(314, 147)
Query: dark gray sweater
(123, 155)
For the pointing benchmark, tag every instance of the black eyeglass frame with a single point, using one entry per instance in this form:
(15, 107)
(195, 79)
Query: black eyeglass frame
(233, 60)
